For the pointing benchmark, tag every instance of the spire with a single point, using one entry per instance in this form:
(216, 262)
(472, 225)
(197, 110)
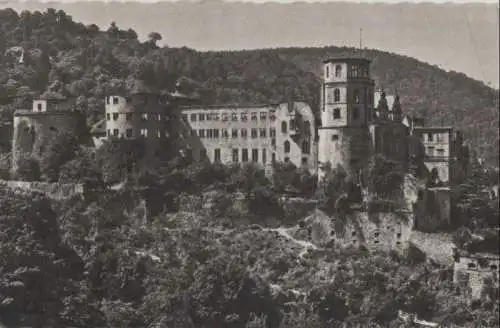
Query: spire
(382, 106)
(397, 113)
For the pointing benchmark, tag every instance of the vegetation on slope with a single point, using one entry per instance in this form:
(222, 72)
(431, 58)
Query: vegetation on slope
(65, 58)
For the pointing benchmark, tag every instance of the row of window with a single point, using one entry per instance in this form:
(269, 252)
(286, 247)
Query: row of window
(355, 71)
(145, 99)
(333, 96)
(243, 133)
(254, 116)
(431, 151)
(143, 116)
(129, 133)
(430, 137)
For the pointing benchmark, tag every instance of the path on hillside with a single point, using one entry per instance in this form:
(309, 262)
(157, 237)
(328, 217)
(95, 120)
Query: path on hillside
(437, 246)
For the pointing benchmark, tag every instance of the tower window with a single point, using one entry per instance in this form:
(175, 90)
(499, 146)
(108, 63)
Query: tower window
(286, 145)
(336, 113)
(305, 147)
(338, 70)
(357, 98)
(336, 95)
(283, 127)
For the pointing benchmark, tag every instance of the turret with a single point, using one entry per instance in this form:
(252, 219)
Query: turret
(383, 107)
(397, 113)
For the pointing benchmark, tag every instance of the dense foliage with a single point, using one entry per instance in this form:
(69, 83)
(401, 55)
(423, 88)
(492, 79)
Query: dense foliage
(66, 58)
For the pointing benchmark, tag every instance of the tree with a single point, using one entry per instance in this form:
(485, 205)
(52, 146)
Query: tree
(154, 37)
(28, 168)
(61, 148)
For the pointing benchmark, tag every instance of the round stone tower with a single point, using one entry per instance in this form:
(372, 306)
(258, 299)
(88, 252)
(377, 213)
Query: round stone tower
(346, 111)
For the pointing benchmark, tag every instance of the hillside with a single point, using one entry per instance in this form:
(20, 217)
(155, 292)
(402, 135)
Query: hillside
(68, 58)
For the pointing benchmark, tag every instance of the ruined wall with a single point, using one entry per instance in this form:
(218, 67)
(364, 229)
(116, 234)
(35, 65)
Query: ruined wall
(32, 130)
(375, 231)
(57, 191)
(475, 271)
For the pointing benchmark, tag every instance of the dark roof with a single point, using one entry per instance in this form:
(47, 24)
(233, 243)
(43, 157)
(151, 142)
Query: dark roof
(347, 58)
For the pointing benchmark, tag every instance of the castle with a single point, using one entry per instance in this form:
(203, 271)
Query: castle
(356, 122)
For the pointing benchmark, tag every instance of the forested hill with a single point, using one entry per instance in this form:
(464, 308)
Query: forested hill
(66, 58)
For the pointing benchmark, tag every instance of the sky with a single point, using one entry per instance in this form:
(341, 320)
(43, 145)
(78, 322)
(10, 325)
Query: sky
(462, 38)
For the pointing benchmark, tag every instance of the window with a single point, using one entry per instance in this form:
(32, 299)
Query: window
(109, 132)
(376, 234)
(107, 100)
(329, 95)
(144, 132)
(273, 157)
(430, 137)
(115, 100)
(235, 155)
(217, 155)
(307, 127)
(264, 156)
(327, 71)
(263, 116)
(338, 70)
(439, 137)
(336, 113)
(201, 117)
(225, 117)
(210, 133)
(243, 117)
(263, 132)
(234, 117)
(144, 116)
(398, 235)
(108, 116)
(201, 133)
(304, 161)
(355, 70)
(286, 146)
(272, 115)
(287, 159)
(216, 133)
(209, 116)
(283, 127)
(430, 151)
(254, 133)
(253, 116)
(244, 155)
(357, 98)
(115, 132)
(336, 95)
(225, 133)
(272, 132)
(39, 106)
(234, 133)
(193, 117)
(255, 155)
(471, 265)
(306, 147)
(128, 133)
(292, 125)
(273, 142)
(355, 113)
(115, 116)
(244, 133)
(440, 152)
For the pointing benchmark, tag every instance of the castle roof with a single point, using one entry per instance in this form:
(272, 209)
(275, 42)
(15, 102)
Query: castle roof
(390, 99)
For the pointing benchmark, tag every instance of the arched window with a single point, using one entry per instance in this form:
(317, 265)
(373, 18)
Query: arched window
(283, 127)
(305, 147)
(336, 95)
(357, 98)
(287, 146)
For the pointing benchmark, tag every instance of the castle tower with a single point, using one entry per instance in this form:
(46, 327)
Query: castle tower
(397, 112)
(346, 111)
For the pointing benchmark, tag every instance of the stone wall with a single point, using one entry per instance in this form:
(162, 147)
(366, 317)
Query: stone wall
(433, 209)
(475, 271)
(376, 231)
(56, 191)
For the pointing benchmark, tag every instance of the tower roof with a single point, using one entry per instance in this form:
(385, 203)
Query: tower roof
(389, 98)
(346, 58)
